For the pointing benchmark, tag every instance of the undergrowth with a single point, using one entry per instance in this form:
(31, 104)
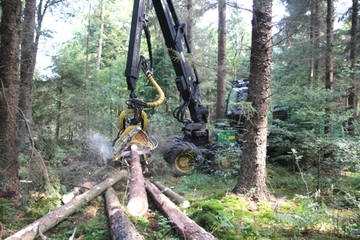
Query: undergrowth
(301, 211)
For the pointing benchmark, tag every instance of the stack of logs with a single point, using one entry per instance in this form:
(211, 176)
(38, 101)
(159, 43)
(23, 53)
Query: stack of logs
(121, 228)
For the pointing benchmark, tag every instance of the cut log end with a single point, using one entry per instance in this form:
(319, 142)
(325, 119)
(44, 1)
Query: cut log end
(137, 206)
(185, 204)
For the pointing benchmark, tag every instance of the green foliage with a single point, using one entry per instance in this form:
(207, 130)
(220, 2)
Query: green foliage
(238, 47)
(351, 225)
(305, 214)
(347, 153)
(157, 227)
(95, 229)
(212, 217)
(223, 159)
(194, 184)
(165, 228)
(7, 212)
(42, 206)
(287, 181)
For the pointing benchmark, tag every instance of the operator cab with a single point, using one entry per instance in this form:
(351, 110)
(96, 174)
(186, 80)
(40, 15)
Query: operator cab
(235, 102)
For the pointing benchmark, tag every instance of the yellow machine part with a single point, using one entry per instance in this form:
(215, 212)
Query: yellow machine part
(140, 138)
(132, 134)
(135, 134)
(128, 111)
(128, 138)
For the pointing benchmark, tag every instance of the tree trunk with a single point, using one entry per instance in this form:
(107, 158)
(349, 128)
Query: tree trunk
(59, 93)
(353, 98)
(329, 65)
(329, 68)
(56, 216)
(180, 201)
(252, 173)
(101, 34)
(189, 22)
(186, 227)
(29, 45)
(27, 66)
(315, 41)
(221, 73)
(9, 97)
(121, 227)
(87, 75)
(138, 203)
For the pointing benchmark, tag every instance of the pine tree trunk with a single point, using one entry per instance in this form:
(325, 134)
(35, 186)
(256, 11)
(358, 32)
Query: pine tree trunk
(9, 97)
(329, 64)
(329, 69)
(314, 37)
(87, 74)
(189, 22)
(27, 66)
(252, 173)
(353, 98)
(101, 34)
(59, 93)
(221, 72)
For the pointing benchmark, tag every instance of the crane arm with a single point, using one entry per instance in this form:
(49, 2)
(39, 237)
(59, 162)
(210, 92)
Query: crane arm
(187, 80)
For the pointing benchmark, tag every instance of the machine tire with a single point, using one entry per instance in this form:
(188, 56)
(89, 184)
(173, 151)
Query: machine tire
(183, 157)
(222, 158)
(174, 138)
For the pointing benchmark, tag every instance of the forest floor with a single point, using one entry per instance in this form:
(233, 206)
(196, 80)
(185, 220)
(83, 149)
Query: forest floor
(294, 215)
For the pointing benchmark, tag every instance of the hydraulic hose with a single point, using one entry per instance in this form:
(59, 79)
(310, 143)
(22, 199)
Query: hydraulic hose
(158, 90)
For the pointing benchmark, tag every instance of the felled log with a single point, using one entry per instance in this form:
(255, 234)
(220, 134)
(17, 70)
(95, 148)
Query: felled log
(138, 203)
(76, 191)
(70, 195)
(186, 227)
(54, 217)
(179, 200)
(121, 228)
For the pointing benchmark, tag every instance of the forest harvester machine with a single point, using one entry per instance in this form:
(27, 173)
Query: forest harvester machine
(189, 150)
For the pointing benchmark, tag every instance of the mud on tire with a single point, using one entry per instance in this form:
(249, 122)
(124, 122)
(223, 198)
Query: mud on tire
(183, 157)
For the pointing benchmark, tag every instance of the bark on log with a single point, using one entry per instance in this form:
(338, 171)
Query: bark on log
(138, 203)
(186, 227)
(121, 228)
(180, 201)
(56, 216)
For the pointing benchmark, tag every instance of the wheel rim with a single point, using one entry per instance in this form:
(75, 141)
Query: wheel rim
(226, 160)
(185, 163)
(225, 165)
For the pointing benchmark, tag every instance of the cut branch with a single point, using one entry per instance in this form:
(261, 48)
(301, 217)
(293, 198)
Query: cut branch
(180, 201)
(121, 228)
(184, 225)
(56, 216)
